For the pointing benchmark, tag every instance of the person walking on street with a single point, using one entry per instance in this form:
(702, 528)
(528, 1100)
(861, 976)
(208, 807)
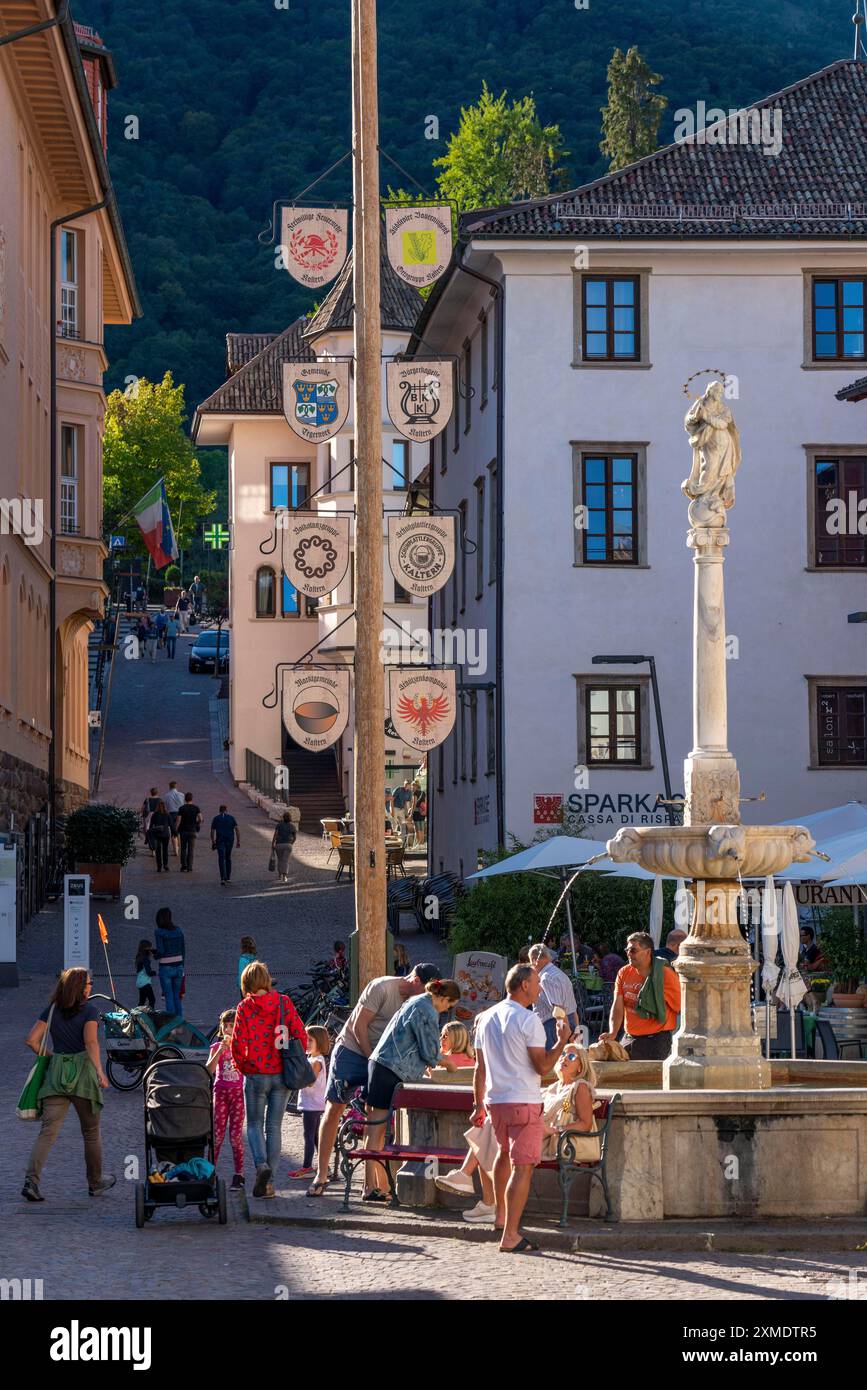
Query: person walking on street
(144, 973)
(170, 953)
(74, 1077)
(182, 608)
(189, 824)
(228, 1097)
(261, 1016)
(161, 833)
(511, 1059)
(171, 635)
(148, 806)
(556, 992)
(646, 999)
(224, 835)
(402, 803)
(197, 597)
(174, 801)
(161, 622)
(282, 841)
(377, 1004)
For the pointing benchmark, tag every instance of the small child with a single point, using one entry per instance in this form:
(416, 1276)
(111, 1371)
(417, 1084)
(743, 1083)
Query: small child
(247, 956)
(338, 960)
(311, 1100)
(144, 973)
(402, 964)
(228, 1097)
(456, 1050)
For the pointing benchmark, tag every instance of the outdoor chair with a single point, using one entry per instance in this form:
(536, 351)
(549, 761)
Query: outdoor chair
(330, 828)
(781, 1045)
(395, 861)
(346, 855)
(836, 1049)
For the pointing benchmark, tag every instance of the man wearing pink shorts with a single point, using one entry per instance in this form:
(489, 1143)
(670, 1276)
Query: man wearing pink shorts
(511, 1060)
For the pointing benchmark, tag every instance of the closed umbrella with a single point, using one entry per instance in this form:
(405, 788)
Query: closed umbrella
(655, 925)
(791, 988)
(770, 966)
(682, 915)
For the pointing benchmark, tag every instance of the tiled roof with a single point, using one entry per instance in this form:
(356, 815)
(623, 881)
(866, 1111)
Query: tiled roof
(400, 304)
(240, 347)
(856, 391)
(257, 386)
(815, 187)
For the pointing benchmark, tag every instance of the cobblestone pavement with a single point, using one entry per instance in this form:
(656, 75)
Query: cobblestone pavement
(159, 727)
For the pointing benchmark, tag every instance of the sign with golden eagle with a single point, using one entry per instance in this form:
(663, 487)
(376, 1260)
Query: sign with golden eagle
(315, 398)
(423, 706)
(315, 705)
(421, 552)
(313, 243)
(419, 242)
(420, 397)
(315, 551)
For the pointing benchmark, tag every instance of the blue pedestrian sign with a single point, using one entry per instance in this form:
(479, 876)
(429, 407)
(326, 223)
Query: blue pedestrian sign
(118, 542)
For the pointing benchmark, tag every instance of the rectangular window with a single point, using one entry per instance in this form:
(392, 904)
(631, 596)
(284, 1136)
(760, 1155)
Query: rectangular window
(495, 315)
(480, 536)
(483, 353)
(454, 743)
(842, 725)
(294, 604)
(456, 412)
(468, 385)
(399, 471)
(494, 503)
(841, 510)
(290, 485)
(68, 284)
(610, 318)
(462, 542)
(609, 496)
(70, 450)
(613, 725)
(462, 716)
(441, 768)
(838, 319)
(400, 594)
(474, 735)
(490, 734)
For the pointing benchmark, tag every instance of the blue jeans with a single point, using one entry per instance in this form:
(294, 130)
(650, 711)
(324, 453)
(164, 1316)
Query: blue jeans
(170, 645)
(265, 1100)
(550, 1026)
(170, 983)
(224, 854)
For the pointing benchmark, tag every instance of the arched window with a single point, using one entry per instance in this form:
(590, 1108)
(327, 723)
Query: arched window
(265, 593)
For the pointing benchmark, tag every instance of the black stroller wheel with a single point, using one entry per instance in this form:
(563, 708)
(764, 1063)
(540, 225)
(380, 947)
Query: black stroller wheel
(222, 1209)
(206, 1210)
(139, 1205)
(121, 1076)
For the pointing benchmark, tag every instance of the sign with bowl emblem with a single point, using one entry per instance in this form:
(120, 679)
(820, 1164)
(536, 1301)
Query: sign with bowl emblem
(315, 705)
(315, 551)
(316, 398)
(419, 242)
(421, 552)
(420, 397)
(423, 706)
(313, 243)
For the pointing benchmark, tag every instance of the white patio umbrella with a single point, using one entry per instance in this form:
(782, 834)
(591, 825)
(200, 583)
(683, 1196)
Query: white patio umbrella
(655, 923)
(770, 965)
(790, 988)
(682, 907)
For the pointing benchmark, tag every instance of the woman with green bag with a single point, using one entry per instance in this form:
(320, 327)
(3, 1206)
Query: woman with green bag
(74, 1076)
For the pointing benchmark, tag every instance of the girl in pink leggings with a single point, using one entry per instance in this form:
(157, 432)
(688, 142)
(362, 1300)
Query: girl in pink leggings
(228, 1097)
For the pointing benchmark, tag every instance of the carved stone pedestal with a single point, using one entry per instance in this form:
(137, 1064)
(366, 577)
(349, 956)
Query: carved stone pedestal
(716, 1047)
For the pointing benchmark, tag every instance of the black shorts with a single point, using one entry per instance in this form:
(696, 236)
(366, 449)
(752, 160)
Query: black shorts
(649, 1047)
(381, 1086)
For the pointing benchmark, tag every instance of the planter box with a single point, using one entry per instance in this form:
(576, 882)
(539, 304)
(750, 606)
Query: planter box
(171, 596)
(848, 1001)
(105, 879)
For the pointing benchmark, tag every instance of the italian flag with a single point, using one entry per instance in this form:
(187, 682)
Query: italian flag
(152, 515)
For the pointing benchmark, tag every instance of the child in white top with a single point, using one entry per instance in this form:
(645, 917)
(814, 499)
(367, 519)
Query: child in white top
(311, 1100)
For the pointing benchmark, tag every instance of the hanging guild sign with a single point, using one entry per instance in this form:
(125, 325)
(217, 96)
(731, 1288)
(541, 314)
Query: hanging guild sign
(316, 398)
(423, 705)
(313, 243)
(419, 242)
(419, 397)
(315, 705)
(421, 552)
(315, 551)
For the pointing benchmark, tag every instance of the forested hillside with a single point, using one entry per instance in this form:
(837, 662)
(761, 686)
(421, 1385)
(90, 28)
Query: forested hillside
(240, 103)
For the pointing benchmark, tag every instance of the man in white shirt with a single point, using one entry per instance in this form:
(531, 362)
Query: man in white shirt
(511, 1059)
(173, 801)
(556, 991)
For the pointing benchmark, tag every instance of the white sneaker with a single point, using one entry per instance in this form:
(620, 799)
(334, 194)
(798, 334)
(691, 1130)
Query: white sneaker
(480, 1212)
(456, 1181)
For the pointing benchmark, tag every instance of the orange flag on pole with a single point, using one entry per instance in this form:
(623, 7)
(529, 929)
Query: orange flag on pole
(103, 934)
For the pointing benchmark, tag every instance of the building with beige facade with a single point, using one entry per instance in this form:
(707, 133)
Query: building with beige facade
(64, 274)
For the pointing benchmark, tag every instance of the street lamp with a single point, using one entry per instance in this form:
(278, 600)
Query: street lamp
(650, 661)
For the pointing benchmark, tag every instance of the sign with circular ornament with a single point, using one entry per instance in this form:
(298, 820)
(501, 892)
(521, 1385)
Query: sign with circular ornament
(421, 552)
(315, 551)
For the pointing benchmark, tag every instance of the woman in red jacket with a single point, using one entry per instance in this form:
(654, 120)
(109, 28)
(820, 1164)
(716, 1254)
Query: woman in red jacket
(262, 1013)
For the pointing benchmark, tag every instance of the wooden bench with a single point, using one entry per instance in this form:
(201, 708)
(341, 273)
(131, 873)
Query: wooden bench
(350, 1139)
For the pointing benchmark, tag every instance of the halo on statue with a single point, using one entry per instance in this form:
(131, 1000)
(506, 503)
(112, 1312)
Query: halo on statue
(705, 371)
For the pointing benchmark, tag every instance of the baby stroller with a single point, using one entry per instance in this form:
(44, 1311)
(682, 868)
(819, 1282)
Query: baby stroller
(179, 1135)
(136, 1037)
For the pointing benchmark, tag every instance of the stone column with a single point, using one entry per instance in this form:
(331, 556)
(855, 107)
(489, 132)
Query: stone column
(711, 779)
(715, 1047)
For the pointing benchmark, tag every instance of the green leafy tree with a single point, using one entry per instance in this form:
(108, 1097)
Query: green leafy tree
(144, 441)
(500, 153)
(630, 121)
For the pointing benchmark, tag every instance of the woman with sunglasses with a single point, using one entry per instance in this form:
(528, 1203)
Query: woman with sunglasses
(74, 1077)
(567, 1104)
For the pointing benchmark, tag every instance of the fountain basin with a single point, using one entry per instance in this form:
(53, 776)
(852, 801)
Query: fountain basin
(712, 851)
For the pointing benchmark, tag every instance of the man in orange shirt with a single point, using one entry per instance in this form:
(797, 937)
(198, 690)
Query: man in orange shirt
(650, 1024)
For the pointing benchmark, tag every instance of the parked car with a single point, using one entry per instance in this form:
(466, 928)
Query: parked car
(204, 655)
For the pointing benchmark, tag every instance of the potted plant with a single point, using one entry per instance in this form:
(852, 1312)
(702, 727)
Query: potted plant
(172, 590)
(99, 841)
(845, 950)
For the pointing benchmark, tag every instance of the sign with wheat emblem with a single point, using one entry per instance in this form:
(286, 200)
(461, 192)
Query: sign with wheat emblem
(419, 242)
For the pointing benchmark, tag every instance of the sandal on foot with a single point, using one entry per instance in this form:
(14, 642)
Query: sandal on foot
(523, 1247)
(316, 1189)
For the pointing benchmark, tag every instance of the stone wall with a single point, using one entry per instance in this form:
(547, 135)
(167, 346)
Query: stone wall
(23, 790)
(70, 795)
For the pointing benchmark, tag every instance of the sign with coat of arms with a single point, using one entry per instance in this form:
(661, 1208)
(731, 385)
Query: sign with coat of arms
(316, 398)
(421, 552)
(419, 242)
(315, 705)
(423, 705)
(315, 551)
(419, 397)
(313, 243)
